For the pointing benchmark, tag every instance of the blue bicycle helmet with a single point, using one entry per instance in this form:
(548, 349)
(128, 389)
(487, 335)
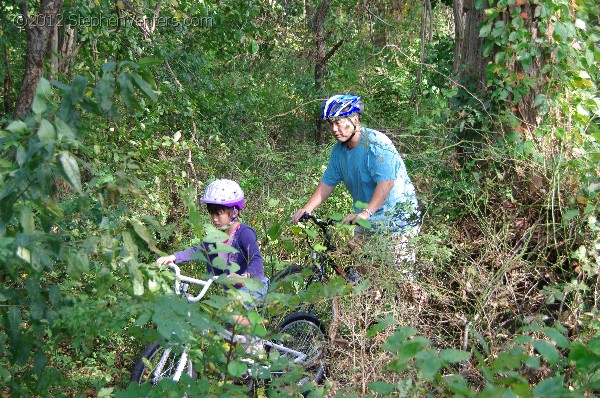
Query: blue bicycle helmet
(341, 105)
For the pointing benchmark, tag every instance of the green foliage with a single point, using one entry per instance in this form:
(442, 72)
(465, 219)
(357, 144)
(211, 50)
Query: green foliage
(534, 365)
(565, 44)
(46, 269)
(103, 176)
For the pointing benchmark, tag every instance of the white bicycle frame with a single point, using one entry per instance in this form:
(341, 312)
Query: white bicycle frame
(181, 288)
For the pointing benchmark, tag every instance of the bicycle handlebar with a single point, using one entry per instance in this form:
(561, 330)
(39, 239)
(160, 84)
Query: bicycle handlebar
(188, 279)
(323, 224)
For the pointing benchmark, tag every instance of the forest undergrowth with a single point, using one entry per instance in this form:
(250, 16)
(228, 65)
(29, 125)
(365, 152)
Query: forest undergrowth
(494, 264)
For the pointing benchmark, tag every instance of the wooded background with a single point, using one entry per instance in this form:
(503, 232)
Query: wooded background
(115, 115)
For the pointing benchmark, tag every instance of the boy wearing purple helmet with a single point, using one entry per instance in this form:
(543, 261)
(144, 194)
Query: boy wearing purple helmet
(224, 199)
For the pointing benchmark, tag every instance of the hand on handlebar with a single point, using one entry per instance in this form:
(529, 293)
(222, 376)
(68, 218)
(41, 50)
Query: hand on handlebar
(164, 260)
(352, 218)
(299, 215)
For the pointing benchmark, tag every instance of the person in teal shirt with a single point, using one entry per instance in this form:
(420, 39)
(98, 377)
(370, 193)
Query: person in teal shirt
(373, 171)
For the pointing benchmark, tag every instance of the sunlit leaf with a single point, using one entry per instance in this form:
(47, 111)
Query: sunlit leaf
(46, 132)
(17, 127)
(70, 169)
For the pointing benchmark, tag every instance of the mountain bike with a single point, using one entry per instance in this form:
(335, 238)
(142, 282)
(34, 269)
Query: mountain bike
(298, 281)
(300, 339)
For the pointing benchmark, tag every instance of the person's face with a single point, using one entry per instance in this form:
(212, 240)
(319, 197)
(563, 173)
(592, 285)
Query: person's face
(221, 217)
(343, 128)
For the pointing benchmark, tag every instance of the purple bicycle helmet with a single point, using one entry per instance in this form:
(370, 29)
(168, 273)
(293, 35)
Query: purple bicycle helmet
(341, 105)
(224, 192)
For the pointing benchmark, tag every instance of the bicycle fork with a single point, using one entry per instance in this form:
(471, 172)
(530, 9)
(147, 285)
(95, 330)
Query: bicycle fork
(159, 370)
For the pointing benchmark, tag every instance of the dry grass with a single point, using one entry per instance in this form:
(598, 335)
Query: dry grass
(492, 284)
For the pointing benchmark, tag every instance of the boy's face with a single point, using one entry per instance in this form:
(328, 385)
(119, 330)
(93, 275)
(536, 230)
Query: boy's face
(221, 217)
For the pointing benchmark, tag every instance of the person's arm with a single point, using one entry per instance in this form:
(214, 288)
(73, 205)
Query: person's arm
(251, 252)
(178, 257)
(380, 194)
(321, 194)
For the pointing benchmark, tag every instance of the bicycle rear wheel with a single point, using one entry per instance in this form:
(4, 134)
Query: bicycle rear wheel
(296, 290)
(305, 333)
(159, 361)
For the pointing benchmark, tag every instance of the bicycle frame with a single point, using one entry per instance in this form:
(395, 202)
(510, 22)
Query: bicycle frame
(181, 288)
(322, 260)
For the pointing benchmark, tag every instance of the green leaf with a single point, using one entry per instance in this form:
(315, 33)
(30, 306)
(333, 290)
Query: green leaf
(480, 4)
(585, 360)
(458, 385)
(109, 66)
(137, 277)
(319, 248)
(594, 345)
(77, 264)
(27, 221)
(63, 129)
(43, 95)
(410, 348)
(452, 355)
(561, 30)
(561, 340)
(124, 81)
(104, 92)
(141, 231)
(570, 214)
(17, 127)
(381, 324)
(428, 364)
(253, 47)
(381, 387)
(547, 350)
(366, 224)
(336, 217)
(237, 368)
(552, 387)
(485, 30)
(148, 61)
(46, 132)
(144, 87)
(70, 169)
(13, 317)
(398, 338)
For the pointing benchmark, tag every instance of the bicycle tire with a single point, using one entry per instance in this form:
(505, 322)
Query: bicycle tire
(304, 332)
(152, 355)
(296, 278)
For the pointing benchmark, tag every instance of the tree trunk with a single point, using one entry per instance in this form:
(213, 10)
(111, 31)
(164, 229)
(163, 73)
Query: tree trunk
(320, 41)
(7, 84)
(469, 64)
(526, 111)
(469, 69)
(39, 30)
(321, 58)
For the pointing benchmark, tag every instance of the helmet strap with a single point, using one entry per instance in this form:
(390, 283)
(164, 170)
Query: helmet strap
(234, 216)
(353, 133)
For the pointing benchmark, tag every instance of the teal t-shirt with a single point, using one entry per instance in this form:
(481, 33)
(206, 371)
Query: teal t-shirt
(373, 160)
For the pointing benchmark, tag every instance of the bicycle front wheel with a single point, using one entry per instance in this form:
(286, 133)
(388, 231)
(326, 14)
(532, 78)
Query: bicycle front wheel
(305, 333)
(160, 361)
